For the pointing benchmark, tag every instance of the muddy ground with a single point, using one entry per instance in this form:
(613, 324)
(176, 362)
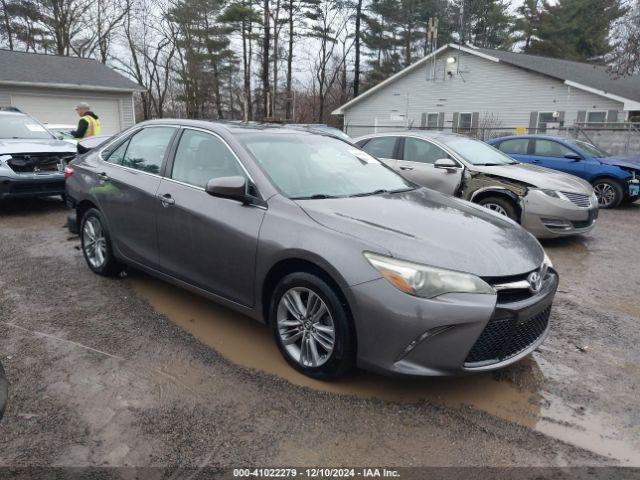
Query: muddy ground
(134, 372)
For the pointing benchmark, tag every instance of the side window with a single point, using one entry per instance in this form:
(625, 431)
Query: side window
(202, 156)
(416, 150)
(147, 148)
(517, 146)
(381, 147)
(116, 156)
(549, 148)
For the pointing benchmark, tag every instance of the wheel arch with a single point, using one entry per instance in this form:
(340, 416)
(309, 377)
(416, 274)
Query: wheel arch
(498, 192)
(82, 208)
(289, 265)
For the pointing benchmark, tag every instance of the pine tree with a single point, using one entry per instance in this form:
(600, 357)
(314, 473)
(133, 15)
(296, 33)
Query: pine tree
(576, 29)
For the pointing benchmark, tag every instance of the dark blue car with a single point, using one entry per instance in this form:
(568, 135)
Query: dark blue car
(614, 179)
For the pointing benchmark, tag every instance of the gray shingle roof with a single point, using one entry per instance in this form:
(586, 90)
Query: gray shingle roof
(22, 67)
(586, 74)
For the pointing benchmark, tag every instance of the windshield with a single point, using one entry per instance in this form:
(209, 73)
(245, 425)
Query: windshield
(477, 152)
(20, 126)
(589, 149)
(314, 166)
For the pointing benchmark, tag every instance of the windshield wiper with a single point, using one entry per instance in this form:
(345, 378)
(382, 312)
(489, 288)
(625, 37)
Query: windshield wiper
(494, 164)
(381, 191)
(317, 196)
(366, 194)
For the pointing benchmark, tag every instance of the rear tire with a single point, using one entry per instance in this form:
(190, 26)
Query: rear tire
(500, 205)
(609, 192)
(312, 327)
(96, 245)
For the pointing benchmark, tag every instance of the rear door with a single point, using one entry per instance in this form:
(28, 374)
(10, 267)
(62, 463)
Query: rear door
(517, 148)
(207, 241)
(417, 163)
(128, 182)
(383, 148)
(551, 154)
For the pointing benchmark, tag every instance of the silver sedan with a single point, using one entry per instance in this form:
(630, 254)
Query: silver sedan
(546, 202)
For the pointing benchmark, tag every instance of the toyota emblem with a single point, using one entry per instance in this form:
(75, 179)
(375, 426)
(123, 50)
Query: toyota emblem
(535, 282)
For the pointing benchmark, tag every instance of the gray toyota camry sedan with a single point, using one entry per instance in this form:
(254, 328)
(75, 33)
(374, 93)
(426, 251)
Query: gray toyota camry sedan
(347, 261)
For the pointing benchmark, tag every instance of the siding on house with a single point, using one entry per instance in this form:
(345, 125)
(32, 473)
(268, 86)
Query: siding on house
(482, 87)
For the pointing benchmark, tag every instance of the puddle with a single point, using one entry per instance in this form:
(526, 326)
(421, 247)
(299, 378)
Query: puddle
(248, 343)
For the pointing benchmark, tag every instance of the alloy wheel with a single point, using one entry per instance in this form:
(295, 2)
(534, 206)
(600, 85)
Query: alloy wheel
(305, 327)
(94, 242)
(606, 194)
(496, 208)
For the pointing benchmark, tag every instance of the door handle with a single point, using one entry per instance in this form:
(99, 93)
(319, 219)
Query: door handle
(535, 160)
(166, 199)
(103, 176)
(406, 168)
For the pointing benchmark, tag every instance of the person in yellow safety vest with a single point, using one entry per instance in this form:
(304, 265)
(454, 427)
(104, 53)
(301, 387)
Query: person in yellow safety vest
(88, 125)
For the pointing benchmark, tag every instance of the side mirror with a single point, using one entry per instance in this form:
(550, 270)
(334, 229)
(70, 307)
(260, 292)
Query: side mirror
(229, 187)
(573, 156)
(446, 164)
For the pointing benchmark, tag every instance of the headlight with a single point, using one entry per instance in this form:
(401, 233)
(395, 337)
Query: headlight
(423, 281)
(553, 194)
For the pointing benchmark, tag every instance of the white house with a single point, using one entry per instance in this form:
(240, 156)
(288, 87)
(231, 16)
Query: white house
(49, 86)
(461, 88)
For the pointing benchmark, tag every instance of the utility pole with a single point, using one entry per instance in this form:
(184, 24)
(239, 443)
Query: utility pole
(356, 75)
(431, 42)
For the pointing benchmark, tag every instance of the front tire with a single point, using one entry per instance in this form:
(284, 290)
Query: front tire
(312, 327)
(609, 193)
(96, 245)
(500, 205)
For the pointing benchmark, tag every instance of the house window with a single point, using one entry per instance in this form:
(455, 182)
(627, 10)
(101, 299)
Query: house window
(432, 121)
(543, 119)
(464, 122)
(596, 118)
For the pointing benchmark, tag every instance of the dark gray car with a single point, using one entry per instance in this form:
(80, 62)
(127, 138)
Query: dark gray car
(346, 260)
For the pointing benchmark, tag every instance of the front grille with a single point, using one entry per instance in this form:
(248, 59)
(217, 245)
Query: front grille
(39, 162)
(505, 337)
(578, 199)
(510, 295)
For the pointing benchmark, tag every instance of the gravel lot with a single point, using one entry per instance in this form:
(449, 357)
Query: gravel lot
(133, 372)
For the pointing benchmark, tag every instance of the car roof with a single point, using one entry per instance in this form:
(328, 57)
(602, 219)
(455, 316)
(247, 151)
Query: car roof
(432, 134)
(534, 136)
(11, 113)
(232, 127)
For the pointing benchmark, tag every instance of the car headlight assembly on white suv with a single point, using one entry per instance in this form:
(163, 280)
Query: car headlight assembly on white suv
(424, 281)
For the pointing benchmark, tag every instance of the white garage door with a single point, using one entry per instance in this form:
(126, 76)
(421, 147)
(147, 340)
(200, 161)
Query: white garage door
(60, 110)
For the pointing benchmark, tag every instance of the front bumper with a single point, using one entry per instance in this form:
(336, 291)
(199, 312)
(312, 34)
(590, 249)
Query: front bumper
(547, 217)
(403, 335)
(34, 185)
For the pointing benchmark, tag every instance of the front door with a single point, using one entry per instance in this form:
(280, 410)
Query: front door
(551, 154)
(128, 182)
(417, 163)
(207, 241)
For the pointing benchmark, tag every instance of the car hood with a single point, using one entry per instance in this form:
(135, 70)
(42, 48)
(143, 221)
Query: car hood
(539, 177)
(626, 162)
(434, 229)
(24, 145)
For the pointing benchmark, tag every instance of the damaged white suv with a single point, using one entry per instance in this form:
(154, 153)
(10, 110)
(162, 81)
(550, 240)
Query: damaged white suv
(32, 160)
